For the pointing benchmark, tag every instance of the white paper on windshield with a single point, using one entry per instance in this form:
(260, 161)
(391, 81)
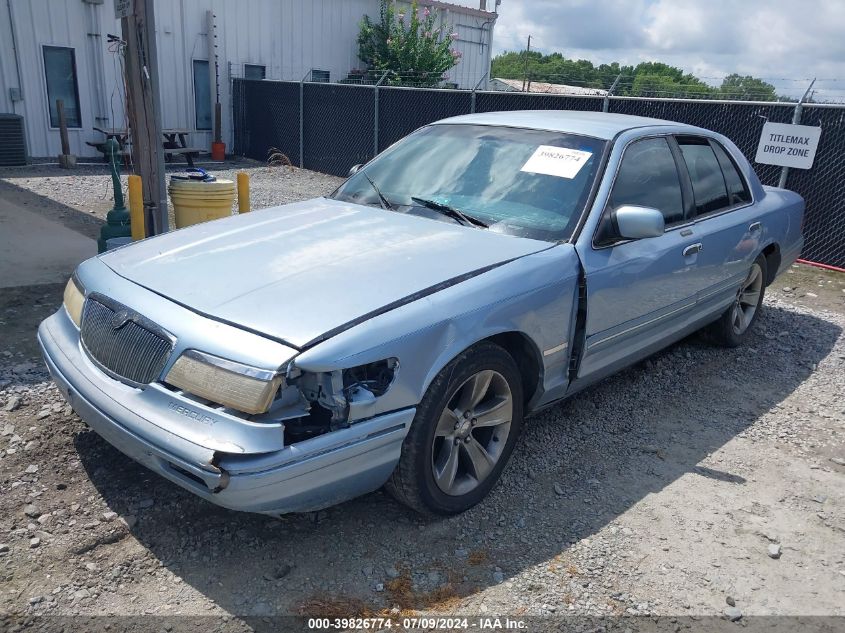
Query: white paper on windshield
(556, 161)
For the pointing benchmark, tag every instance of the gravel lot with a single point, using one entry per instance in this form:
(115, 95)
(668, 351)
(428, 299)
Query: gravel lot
(700, 482)
(87, 191)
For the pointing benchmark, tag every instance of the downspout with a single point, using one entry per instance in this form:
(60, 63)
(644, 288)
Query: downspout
(96, 52)
(15, 53)
(489, 56)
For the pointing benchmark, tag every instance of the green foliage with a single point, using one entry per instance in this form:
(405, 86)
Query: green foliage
(737, 87)
(647, 79)
(408, 43)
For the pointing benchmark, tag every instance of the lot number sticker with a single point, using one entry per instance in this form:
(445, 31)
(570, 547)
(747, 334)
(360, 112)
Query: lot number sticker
(788, 145)
(556, 161)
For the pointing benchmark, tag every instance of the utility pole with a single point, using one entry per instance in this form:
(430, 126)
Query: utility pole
(525, 72)
(144, 105)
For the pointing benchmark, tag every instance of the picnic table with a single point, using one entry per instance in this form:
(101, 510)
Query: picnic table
(174, 142)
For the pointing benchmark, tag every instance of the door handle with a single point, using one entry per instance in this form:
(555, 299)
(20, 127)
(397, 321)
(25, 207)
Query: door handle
(692, 249)
(755, 226)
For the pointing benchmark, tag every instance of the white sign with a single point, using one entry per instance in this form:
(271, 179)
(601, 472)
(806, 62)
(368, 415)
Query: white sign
(556, 161)
(122, 8)
(788, 145)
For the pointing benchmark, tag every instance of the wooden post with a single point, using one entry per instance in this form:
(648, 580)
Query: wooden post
(66, 160)
(213, 83)
(145, 111)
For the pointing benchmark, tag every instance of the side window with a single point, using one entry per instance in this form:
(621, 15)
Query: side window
(708, 183)
(648, 177)
(737, 189)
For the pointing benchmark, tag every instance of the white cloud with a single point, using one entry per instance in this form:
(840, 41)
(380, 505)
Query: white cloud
(772, 39)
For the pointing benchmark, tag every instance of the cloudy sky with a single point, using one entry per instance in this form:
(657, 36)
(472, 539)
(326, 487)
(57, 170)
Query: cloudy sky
(772, 39)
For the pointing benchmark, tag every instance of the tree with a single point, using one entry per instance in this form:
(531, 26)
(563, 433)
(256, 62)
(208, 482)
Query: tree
(407, 43)
(738, 87)
(647, 79)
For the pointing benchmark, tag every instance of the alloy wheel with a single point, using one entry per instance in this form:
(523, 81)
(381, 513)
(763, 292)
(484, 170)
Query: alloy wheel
(472, 432)
(745, 305)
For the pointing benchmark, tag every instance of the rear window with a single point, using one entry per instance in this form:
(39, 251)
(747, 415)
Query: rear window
(708, 183)
(737, 189)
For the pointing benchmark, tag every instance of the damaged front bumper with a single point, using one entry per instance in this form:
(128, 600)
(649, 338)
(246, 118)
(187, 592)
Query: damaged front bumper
(304, 476)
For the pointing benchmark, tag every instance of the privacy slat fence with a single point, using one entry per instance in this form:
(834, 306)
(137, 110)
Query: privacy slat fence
(330, 127)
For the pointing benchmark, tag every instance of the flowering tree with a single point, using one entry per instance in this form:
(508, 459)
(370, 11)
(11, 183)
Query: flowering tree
(406, 42)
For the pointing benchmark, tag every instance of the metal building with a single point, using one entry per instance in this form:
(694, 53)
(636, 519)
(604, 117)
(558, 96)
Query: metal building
(52, 49)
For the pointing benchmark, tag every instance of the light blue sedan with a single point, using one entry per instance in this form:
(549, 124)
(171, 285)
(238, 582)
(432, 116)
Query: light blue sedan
(397, 332)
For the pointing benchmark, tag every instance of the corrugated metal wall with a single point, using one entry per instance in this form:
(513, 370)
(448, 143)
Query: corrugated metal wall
(288, 37)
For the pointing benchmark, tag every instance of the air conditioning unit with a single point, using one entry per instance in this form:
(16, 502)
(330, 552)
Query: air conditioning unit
(12, 140)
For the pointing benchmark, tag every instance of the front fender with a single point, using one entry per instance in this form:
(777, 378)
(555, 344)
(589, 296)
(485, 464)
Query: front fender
(534, 295)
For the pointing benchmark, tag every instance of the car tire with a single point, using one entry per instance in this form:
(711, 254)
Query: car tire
(463, 433)
(733, 326)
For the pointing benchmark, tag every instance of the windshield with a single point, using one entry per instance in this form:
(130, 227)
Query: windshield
(530, 183)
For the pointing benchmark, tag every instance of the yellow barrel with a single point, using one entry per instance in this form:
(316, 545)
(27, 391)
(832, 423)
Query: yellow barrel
(196, 201)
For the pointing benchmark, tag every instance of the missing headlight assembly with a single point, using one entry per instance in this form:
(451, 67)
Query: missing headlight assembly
(339, 398)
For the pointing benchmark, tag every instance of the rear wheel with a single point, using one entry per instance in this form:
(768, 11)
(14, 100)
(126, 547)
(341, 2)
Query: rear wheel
(733, 326)
(463, 433)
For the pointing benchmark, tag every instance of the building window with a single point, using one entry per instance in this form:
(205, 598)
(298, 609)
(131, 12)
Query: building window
(254, 71)
(202, 94)
(60, 70)
(320, 76)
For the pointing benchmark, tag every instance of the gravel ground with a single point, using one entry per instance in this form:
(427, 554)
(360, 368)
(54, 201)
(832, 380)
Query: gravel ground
(699, 482)
(88, 189)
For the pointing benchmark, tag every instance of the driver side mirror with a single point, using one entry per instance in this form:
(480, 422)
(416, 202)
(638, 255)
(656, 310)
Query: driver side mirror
(633, 223)
(354, 170)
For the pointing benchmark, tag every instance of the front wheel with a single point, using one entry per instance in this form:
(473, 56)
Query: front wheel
(462, 435)
(733, 326)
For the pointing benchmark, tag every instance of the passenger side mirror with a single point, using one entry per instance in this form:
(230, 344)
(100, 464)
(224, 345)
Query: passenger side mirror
(633, 223)
(354, 170)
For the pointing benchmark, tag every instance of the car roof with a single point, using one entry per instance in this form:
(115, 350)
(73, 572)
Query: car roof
(597, 124)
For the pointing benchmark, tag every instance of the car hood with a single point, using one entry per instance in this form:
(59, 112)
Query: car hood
(303, 271)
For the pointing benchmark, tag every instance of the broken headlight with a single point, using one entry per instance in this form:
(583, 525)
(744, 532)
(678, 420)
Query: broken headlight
(225, 382)
(348, 394)
(73, 300)
(374, 377)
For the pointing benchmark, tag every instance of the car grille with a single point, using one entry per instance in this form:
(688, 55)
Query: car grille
(133, 351)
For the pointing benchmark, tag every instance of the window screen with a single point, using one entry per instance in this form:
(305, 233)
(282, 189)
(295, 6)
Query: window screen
(202, 95)
(648, 177)
(708, 184)
(254, 71)
(60, 70)
(737, 189)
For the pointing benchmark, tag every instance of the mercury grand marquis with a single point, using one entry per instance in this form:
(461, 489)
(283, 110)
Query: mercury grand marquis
(397, 332)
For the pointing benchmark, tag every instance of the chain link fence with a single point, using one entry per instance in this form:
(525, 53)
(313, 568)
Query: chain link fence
(330, 127)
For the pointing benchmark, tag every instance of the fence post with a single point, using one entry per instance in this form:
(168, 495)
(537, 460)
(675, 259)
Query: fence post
(796, 119)
(474, 89)
(606, 104)
(375, 114)
(302, 120)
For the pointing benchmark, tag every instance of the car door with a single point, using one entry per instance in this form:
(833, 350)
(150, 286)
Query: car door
(640, 293)
(726, 221)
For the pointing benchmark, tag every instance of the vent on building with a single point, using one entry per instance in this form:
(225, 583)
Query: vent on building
(320, 76)
(12, 143)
